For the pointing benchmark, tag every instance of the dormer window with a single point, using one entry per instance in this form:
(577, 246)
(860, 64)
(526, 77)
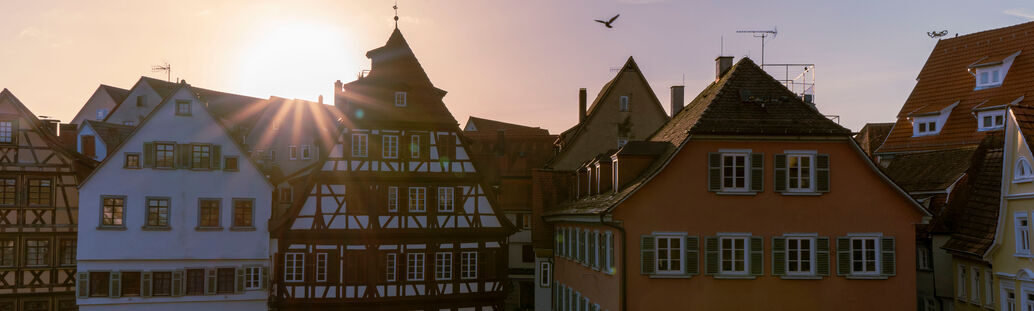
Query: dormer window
(990, 71)
(924, 126)
(930, 122)
(1022, 172)
(400, 99)
(991, 120)
(989, 77)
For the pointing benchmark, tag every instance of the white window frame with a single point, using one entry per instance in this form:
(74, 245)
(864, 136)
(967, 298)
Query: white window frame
(974, 285)
(292, 152)
(253, 277)
(594, 249)
(811, 255)
(393, 199)
(390, 262)
(468, 265)
(545, 270)
(989, 77)
(928, 125)
(923, 258)
(7, 131)
(1022, 172)
(995, 117)
(417, 199)
(390, 147)
(360, 144)
(415, 266)
(414, 146)
(799, 170)
(525, 221)
(989, 298)
(623, 104)
(1021, 224)
(746, 171)
(400, 99)
(294, 267)
(865, 256)
(321, 267)
(745, 254)
(960, 286)
(306, 152)
(446, 199)
(1008, 303)
(443, 266)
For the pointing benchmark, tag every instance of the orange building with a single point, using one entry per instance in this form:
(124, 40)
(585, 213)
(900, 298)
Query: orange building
(748, 198)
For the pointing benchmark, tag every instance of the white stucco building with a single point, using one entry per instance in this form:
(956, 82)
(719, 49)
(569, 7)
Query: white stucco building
(175, 217)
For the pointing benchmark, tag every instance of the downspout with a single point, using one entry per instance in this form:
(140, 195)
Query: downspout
(624, 263)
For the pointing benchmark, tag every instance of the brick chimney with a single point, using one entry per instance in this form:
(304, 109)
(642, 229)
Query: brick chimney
(678, 95)
(721, 66)
(581, 104)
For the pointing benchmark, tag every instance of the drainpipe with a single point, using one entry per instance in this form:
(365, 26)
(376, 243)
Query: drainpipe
(624, 263)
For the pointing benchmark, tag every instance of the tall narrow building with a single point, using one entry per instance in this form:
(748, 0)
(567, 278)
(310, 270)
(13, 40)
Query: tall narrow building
(397, 215)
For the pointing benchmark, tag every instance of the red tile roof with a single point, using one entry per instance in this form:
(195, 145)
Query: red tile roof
(972, 212)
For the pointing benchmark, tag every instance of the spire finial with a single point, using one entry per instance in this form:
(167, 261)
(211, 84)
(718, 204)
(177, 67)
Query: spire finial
(396, 7)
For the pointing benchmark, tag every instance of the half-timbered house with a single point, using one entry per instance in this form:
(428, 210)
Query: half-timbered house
(175, 217)
(38, 206)
(396, 216)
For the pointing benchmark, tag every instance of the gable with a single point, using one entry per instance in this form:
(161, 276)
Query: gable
(100, 99)
(129, 111)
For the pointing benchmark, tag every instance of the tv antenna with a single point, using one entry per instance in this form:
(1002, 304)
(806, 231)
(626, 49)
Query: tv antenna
(166, 68)
(763, 34)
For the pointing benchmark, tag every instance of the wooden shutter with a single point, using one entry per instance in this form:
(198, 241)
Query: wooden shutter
(778, 255)
(757, 255)
(822, 173)
(888, 258)
(145, 284)
(210, 281)
(711, 255)
(88, 146)
(780, 173)
(216, 158)
(178, 286)
(239, 281)
(83, 284)
(822, 256)
(148, 154)
(757, 172)
(692, 259)
(115, 285)
(265, 277)
(843, 256)
(647, 258)
(183, 156)
(714, 171)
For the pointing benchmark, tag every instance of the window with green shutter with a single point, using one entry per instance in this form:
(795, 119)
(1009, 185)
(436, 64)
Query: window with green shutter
(711, 255)
(757, 172)
(888, 257)
(692, 255)
(648, 259)
(822, 256)
(145, 284)
(795, 256)
(714, 171)
(115, 290)
(779, 174)
(822, 173)
(757, 255)
(82, 284)
(866, 256)
(778, 256)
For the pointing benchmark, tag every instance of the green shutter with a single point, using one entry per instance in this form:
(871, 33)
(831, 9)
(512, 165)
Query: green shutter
(843, 256)
(265, 277)
(714, 171)
(239, 280)
(148, 154)
(210, 282)
(822, 256)
(115, 285)
(610, 252)
(217, 157)
(648, 257)
(780, 172)
(711, 255)
(145, 284)
(888, 258)
(757, 172)
(183, 156)
(178, 286)
(757, 255)
(778, 256)
(83, 284)
(692, 255)
(822, 173)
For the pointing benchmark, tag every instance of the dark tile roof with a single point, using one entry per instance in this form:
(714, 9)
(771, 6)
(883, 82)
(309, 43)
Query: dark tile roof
(492, 126)
(972, 212)
(930, 170)
(117, 94)
(1025, 119)
(637, 148)
(111, 134)
(872, 135)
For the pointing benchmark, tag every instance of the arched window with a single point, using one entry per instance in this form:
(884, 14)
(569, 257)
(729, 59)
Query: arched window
(1022, 172)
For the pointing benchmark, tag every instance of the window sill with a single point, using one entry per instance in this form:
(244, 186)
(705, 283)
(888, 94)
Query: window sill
(1023, 180)
(801, 277)
(122, 228)
(734, 277)
(131, 167)
(737, 192)
(1023, 255)
(801, 193)
(867, 277)
(152, 228)
(242, 229)
(208, 228)
(670, 276)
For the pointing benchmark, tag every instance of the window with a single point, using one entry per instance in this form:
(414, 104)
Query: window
(306, 152)
(974, 292)
(669, 254)
(200, 156)
(390, 146)
(164, 155)
(393, 199)
(734, 172)
(989, 77)
(400, 99)
(443, 266)
(162, 283)
(7, 253)
(991, 120)
(141, 100)
(208, 213)
(1010, 301)
(272, 155)
(67, 248)
(292, 152)
(231, 164)
(1022, 233)
(112, 211)
(37, 252)
(623, 103)
(252, 277)
(1022, 172)
(445, 199)
(525, 221)
(130, 283)
(925, 125)
(989, 296)
(243, 211)
(415, 266)
(157, 212)
(960, 287)
(8, 191)
(468, 265)
(225, 280)
(182, 107)
(417, 199)
(127, 123)
(800, 253)
(863, 255)
(101, 113)
(195, 281)
(6, 132)
(321, 267)
(545, 269)
(294, 267)
(389, 272)
(99, 284)
(799, 172)
(359, 145)
(414, 146)
(132, 160)
(923, 258)
(39, 191)
(733, 255)
(88, 146)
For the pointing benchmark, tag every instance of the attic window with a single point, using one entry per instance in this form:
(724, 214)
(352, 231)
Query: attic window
(924, 126)
(623, 105)
(991, 120)
(182, 107)
(1022, 172)
(989, 77)
(400, 99)
(990, 71)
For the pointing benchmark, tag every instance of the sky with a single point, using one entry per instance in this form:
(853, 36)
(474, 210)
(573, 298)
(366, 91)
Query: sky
(514, 61)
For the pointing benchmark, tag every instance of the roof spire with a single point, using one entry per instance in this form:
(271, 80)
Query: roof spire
(396, 7)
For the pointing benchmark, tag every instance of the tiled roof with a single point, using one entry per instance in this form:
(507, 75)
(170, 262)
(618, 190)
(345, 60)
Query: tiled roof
(236, 111)
(1025, 119)
(929, 170)
(492, 126)
(972, 212)
(111, 134)
(946, 79)
(872, 135)
(117, 94)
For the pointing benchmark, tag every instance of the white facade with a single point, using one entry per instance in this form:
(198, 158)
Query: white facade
(141, 100)
(200, 233)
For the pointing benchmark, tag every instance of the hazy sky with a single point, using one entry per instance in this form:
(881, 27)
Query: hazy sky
(514, 61)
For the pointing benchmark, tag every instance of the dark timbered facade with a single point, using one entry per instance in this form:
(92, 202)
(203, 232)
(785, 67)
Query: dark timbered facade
(38, 211)
(396, 215)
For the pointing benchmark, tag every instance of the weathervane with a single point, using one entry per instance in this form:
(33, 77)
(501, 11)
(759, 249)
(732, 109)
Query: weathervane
(396, 7)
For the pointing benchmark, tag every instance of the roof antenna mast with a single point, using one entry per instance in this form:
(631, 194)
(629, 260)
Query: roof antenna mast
(166, 68)
(396, 7)
(761, 34)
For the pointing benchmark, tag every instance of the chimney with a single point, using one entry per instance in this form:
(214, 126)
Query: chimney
(678, 95)
(581, 105)
(721, 66)
(339, 100)
(321, 99)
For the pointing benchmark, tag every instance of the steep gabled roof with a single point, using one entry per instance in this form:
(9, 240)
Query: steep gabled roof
(972, 212)
(117, 94)
(872, 135)
(111, 134)
(492, 126)
(930, 170)
(47, 135)
(1025, 119)
(237, 111)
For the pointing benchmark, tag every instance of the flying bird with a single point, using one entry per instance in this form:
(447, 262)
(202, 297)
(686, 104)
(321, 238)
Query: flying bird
(607, 23)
